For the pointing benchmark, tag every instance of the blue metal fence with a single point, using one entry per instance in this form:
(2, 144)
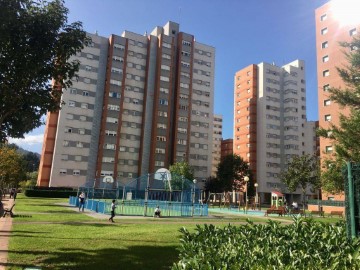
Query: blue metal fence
(144, 208)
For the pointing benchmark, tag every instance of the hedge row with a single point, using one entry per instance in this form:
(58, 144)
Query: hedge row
(50, 193)
(303, 245)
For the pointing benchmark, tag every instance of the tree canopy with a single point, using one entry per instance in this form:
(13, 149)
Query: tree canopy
(36, 43)
(231, 172)
(345, 136)
(179, 170)
(12, 166)
(301, 172)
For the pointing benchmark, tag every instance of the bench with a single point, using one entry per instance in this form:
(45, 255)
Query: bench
(279, 211)
(9, 211)
(319, 213)
(337, 213)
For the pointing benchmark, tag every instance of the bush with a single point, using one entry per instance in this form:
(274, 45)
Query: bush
(50, 193)
(305, 244)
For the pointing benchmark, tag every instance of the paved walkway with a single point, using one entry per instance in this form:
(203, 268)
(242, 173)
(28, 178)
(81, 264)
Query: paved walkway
(5, 230)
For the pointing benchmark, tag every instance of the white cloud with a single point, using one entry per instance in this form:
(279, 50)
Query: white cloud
(28, 140)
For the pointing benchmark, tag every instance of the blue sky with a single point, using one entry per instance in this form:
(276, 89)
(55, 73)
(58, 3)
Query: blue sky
(243, 32)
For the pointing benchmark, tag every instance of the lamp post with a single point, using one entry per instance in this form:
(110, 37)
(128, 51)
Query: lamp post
(257, 195)
(246, 179)
(193, 197)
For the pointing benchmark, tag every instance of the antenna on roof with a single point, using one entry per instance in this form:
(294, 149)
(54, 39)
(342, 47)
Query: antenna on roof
(179, 15)
(96, 32)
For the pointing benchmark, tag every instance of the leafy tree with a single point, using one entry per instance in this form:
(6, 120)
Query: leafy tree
(180, 173)
(36, 44)
(213, 185)
(12, 167)
(345, 136)
(231, 172)
(301, 172)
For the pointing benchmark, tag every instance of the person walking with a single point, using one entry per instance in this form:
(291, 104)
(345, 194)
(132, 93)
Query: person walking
(113, 206)
(82, 201)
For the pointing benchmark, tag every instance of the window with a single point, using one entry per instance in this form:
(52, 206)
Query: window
(352, 32)
(186, 43)
(111, 120)
(89, 56)
(68, 130)
(324, 45)
(165, 67)
(163, 102)
(326, 73)
(162, 113)
(324, 31)
(328, 149)
(116, 70)
(71, 103)
(85, 93)
(63, 172)
(84, 105)
(73, 91)
(164, 90)
(165, 79)
(79, 145)
(119, 46)
(87, 80)
(166, 56)
(113, 107)
(88, 68)
(326, 87)
(78, 158)
(161, 138)
(327, 102)
(159, 163)
(160, 150)
(325, 59)
(323, 17)
(118, 59)
(166, 45)
(64, 157)
(185, 64)
(115, 82)
(327, 117)
(81, 131)
(109, 146)
(76, 172)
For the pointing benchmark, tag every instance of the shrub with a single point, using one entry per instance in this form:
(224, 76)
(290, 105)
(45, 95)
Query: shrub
(305, 244)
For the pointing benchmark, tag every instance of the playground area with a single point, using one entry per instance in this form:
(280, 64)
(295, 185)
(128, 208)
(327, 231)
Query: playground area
(175, 196)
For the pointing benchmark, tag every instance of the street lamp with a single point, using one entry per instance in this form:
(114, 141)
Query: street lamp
(246, 179)
(257, 195)
(193, 197)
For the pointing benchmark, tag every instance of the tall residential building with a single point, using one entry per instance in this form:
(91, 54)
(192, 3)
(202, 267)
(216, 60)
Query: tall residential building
(270, 126)
(217, 137)
(141, 102)
(330, 30)
(226, 148)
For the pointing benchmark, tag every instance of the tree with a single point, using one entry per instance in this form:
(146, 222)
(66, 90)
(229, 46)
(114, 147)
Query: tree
(231, 172)
(180, 172)
(36, 44)
(301, 172)
(12, 167)
(345, 136)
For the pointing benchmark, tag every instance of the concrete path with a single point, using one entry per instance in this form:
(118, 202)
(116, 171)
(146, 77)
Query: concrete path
(5, 230)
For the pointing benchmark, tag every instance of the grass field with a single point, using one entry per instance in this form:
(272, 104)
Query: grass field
(50, 236)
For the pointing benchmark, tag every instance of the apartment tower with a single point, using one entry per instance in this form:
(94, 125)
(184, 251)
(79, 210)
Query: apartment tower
(217, 138)
(330, 30)
(270, 126)
(140, 103)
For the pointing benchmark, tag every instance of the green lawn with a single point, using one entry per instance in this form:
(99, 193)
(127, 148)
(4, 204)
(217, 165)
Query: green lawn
(52, 236)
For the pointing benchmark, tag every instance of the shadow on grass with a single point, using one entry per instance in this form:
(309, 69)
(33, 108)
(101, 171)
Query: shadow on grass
(134, 258)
